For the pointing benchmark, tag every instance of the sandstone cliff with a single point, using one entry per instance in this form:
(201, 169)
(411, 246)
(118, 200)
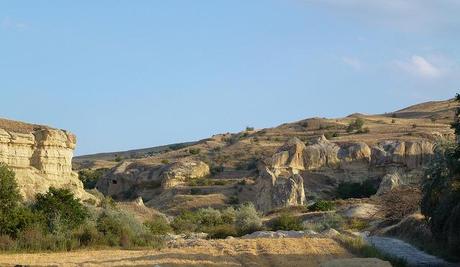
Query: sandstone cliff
(40, 156)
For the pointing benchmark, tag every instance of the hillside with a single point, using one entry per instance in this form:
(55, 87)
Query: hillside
(170, 178)
(411, 123)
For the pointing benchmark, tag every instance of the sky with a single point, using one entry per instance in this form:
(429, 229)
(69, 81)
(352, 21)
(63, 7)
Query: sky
(132, 74)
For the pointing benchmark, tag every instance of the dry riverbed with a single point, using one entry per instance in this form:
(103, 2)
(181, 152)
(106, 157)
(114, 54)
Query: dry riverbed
(234, 252)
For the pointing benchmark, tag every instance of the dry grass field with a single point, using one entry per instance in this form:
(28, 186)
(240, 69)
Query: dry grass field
(234, 252)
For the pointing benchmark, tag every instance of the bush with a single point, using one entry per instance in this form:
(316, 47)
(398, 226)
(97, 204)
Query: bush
(194, 151)
(287, 222)
(60, 208)
(356, 190)
(247, 219)
(87, 235)
(322, 205)
(110, 227)
(330, 220)
(249, 129)
(228, 215)
(357, 124)
(164, 161)
(221, 231)
(158, 226)
(186, 222)
(89, 178)
(13, 216)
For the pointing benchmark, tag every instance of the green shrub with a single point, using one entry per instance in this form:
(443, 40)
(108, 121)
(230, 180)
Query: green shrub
(330, 220)
(209, 217)
(60, 208)
(164, 161)
(87, 235)
(322, 205)
(356, 190)
(194, 151)
(110, 227)
(158, 226)
(186, 222)
(247, 219)
(195, 191)
(249, 129)
(89, 178)
(216, 169)
(355, 125)
(228, 215)
(233, 200)
(287, 222)
(221, 231)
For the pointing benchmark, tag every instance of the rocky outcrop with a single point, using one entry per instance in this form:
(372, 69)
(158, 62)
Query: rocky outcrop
(389, 182)
(279, 183)
(287, 175)
(41, 157)
(131, 179)
(179, 172)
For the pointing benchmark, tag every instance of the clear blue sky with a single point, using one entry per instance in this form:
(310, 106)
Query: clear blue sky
(133, 74)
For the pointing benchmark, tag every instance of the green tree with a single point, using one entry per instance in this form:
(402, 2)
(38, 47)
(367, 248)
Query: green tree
(60, 208)
(441, 192)
(9, 192)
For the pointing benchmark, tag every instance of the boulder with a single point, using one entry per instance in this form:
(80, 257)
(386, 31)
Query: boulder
(389, 182)
(179, 172)
(330, 232)
(322, 153)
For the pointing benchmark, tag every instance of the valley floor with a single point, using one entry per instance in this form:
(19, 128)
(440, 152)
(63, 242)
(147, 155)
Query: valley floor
(234, 252)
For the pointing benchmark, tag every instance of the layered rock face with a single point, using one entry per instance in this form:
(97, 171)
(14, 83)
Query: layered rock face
(294, 169)
(131, 179)
(41, 158)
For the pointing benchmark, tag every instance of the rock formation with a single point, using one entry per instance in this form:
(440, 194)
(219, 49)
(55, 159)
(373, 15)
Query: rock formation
(130, 179)
(40, 156)
(279, 183)
(289, 173)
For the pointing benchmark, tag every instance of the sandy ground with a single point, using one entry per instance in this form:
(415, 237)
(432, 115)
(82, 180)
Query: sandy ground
(236, 252)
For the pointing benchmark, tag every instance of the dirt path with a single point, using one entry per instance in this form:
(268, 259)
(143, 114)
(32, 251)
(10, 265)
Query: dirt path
(401, 249)
(236, 252)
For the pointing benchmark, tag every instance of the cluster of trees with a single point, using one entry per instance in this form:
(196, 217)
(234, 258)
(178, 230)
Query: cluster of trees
(441, 192)
(59, 221)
